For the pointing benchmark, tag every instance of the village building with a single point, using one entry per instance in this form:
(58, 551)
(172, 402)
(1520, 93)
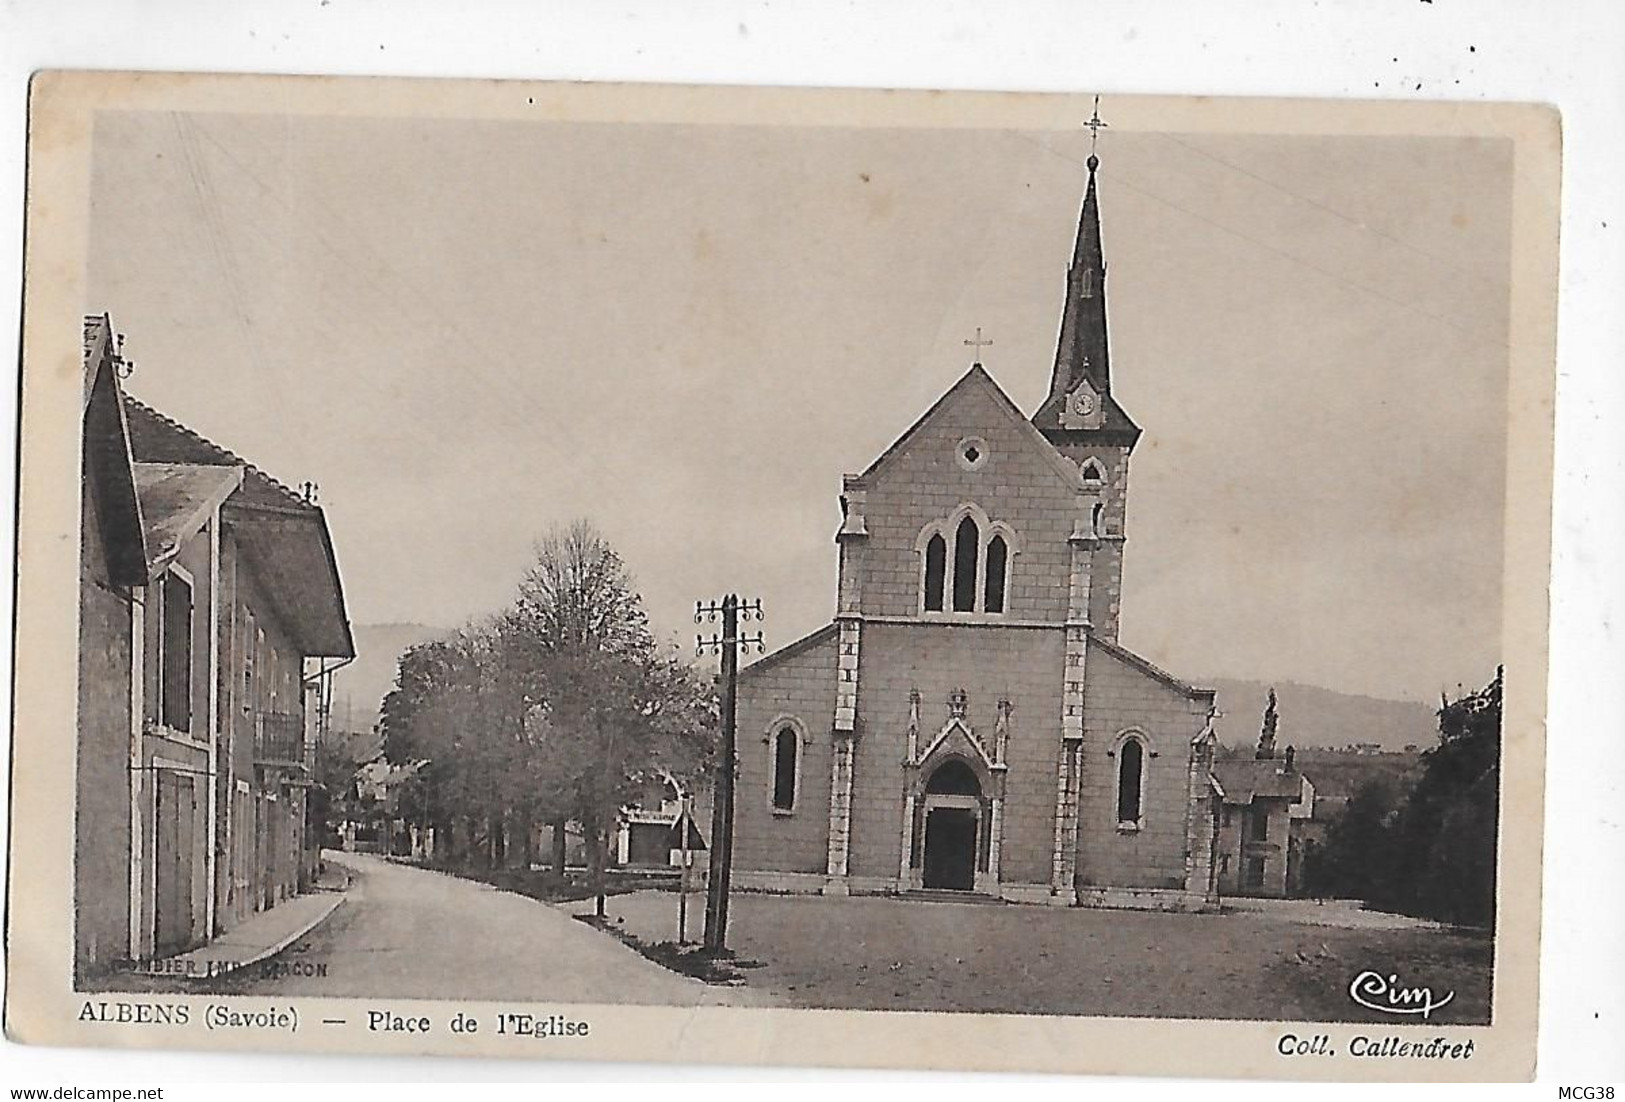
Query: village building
(210, 609)
(360, 801)
(969, 721)
(648, 832)
(1268, 803)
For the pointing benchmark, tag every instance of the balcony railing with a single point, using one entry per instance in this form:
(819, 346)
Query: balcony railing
(279, 739)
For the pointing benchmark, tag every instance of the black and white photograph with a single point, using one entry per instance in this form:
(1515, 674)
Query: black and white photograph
(546, 552)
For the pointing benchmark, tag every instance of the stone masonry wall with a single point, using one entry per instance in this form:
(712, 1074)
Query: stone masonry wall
(1120, 696)
(1015, 485)
(802, 685)
(1234, 848)
(1106, 590)
(1023, 665)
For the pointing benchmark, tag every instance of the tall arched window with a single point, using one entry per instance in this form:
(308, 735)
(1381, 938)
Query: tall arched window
(993, 590)
(786, 765)
(967, 549)
(965, 561)
(1130, 774)
(936, 569)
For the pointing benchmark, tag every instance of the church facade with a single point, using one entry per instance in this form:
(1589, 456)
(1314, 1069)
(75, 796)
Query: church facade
(968, 721)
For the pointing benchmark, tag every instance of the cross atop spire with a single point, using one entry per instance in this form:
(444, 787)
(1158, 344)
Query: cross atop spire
(1095, 126)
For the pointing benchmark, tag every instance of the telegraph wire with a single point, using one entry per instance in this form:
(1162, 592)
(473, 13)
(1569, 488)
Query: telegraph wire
(214, 230)
(1327, 272)
(1465, 269)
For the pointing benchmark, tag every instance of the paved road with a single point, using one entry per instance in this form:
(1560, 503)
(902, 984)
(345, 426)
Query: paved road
(404, 932)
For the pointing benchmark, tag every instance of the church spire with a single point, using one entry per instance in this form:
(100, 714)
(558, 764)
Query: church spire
(1082, 351)
(1080, 391)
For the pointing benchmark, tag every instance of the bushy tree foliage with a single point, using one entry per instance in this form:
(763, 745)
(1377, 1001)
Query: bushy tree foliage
(559, 708)
(1431, 851)
(1357, 860)
(1447, 829)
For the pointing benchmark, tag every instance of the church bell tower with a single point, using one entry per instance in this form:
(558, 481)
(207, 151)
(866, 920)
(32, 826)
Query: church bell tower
(1085, 423)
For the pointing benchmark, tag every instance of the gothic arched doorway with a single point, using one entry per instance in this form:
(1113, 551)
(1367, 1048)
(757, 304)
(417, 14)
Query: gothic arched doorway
(953, 818)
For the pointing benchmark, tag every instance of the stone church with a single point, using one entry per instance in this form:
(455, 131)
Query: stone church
(968, 722)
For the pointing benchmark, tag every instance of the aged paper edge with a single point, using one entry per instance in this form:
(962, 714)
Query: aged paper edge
(42, 1008)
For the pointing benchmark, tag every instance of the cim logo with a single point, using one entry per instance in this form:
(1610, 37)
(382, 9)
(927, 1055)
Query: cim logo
(1386, 994)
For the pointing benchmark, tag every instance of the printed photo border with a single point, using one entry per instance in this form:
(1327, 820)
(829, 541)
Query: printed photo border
(42, 1006)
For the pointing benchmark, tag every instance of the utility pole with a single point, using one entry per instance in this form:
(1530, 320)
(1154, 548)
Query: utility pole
(685, 818)
(722, 812)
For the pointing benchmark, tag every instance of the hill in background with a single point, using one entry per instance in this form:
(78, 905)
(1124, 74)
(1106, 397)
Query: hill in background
(360, 687)
(1312, 717)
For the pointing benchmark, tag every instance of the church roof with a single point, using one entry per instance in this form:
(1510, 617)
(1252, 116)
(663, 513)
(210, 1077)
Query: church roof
(790, 650)
(1145, 666)
(1116, 426)
(978, 376)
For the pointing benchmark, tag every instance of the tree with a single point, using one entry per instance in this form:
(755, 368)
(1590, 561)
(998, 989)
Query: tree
(557, 709)
(333, 799)
(1356, 859)
(1448, 827)
(1266, 736)
(615, 709)
(417, 725)
(1432, 853)
(458, 706)
(578, 597)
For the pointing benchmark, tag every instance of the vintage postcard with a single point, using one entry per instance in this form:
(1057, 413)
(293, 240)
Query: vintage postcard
(654, 573)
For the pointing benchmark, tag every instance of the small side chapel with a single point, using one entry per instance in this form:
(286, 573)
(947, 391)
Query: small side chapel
(968, 721)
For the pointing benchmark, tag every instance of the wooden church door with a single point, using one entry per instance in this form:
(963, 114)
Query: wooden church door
(950, 848)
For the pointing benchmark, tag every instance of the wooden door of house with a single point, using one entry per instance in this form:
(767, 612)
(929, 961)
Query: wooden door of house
(175, 811)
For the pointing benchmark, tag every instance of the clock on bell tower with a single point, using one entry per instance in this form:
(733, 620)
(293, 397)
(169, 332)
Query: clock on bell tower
(1083, 407)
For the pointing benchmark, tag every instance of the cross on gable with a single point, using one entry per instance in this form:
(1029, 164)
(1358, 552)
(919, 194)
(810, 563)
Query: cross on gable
(978, 343)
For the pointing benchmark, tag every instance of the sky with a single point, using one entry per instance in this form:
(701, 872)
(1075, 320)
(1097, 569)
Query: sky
(468, 331)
